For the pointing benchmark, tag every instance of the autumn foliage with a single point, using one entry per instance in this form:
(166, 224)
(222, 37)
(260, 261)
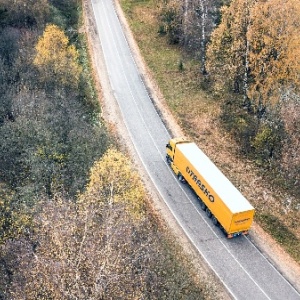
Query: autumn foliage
(274, 49)
(249, 94)
(48, 128)
(56, 58)
(248, 57)
(104, 246)
(252, 59)
(74, 223)
(111, 178)
(73, 216)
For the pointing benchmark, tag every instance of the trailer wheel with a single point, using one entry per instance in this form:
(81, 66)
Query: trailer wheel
(223, 230)
(215, 221)
(202, 205)
(208, 212)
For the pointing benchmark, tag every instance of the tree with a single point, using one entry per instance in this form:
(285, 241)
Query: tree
(57, 60)
(171, 21)
(9, 38)
(89, 251)
(27, 13)
(111, 178)
(190, 23)
(274, 49)
(290, 162)
(227, 52)
(200, 18)
(103, 246)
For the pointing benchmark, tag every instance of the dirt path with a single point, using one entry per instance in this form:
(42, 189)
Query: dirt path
(112, 116)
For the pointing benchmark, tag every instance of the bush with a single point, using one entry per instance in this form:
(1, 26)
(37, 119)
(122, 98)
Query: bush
(242, 124)
(68, 11)
(259, 135)
(267, 142)
(171, 22)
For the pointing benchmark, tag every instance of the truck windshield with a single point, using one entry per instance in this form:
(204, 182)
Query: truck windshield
(169, 147)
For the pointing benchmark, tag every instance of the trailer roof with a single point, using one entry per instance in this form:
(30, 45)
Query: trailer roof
(229, 194)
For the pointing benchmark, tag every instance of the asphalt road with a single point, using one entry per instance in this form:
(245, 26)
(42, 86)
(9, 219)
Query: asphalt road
(238, 263)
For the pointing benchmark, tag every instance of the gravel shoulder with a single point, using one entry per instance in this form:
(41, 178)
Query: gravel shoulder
(111, 114)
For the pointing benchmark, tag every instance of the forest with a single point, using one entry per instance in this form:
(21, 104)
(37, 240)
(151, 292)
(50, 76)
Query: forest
(75, 220)
(234, 63)
(248, 58)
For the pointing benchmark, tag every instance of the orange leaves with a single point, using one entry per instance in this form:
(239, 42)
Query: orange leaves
(56, 58)
(275, 48)
(260, 39)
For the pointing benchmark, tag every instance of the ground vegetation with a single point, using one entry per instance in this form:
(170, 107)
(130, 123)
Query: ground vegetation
(75, 221)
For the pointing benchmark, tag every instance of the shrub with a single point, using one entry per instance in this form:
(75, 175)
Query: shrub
(267, 142)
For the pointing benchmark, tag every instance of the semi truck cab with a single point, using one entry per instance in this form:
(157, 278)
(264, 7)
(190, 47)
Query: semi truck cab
(170, 154)
(171, 147)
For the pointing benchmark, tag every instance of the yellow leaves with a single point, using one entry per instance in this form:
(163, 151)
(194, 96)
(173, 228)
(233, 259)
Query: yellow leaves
(50, 44)
(226, 52)
(275, 48)
(113, 180)
(257, 43)
(56, 58)
(55, 156)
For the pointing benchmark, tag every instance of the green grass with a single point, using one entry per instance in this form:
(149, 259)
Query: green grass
(281, 234)
(164, 60)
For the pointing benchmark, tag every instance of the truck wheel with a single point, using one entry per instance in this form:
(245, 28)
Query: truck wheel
(215, 221)
(180, 177)
(208, 212)
(168, 159)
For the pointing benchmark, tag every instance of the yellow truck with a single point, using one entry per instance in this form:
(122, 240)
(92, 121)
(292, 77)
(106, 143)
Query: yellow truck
(221, 200)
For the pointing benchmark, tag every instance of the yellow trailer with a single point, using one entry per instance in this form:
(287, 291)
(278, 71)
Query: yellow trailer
(221, 200)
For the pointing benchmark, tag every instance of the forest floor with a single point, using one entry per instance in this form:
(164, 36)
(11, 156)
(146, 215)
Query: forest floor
(110, 112)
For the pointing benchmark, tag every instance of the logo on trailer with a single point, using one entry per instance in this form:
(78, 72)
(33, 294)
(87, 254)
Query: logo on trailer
(241, 221)
(203, 188)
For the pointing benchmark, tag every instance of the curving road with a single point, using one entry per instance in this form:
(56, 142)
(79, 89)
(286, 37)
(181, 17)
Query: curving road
(242, 268)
